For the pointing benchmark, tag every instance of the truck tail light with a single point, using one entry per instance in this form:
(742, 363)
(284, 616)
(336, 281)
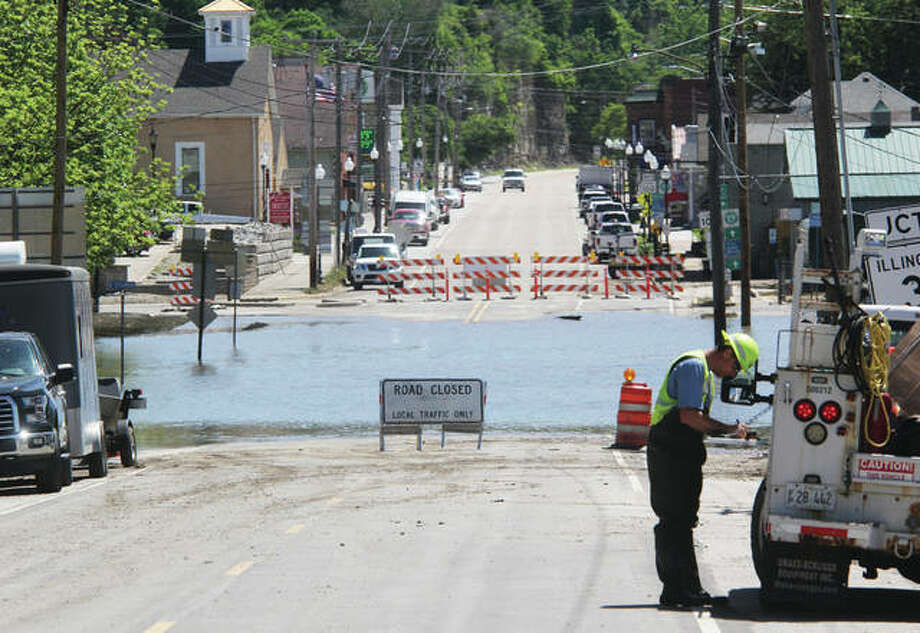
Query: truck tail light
(830, 412)
(804, 410)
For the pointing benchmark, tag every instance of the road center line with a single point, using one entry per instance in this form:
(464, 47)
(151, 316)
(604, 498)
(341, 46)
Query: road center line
(485, 305)
(631, 476)
(239, 568)
(159, 627)
(294, 529)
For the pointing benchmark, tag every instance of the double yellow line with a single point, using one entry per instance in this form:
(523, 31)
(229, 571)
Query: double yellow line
(477, 312)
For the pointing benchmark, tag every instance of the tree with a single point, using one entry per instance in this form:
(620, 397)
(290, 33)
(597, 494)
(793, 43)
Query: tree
(612, 123)
(107, 99)
(483, 136)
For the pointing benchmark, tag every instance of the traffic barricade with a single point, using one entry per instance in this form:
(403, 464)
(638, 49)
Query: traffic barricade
(487, 274)
(634, 414)
(183, 286)
(566, 273)
(431, 282)
(648, 274)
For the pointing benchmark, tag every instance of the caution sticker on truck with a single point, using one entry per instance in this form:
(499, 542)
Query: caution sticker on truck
(885, 468)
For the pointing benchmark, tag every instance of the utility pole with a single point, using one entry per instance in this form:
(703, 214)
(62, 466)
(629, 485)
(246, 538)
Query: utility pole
(359, 184)
(410, 123)
(743, 198)
(381, 168)
(437, 130)
(458, 113)
(310, 176)
(835, 252)
(337, 169)
(60, 138)
(716, 145)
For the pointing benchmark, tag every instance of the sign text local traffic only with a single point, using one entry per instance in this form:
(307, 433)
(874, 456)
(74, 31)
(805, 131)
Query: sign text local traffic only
(431, 401)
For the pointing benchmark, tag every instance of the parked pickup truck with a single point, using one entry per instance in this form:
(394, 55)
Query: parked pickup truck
(33, 413)
(612, 238)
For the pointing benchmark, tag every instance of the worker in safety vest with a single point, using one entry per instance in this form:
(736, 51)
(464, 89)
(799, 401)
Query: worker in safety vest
(676, 456)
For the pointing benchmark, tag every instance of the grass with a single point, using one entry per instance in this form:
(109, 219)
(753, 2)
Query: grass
(332, 280)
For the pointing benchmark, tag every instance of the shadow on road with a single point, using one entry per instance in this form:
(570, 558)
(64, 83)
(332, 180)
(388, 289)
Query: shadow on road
(861, 605)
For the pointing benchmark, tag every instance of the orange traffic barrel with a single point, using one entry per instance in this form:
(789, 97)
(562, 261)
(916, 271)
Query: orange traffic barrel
(634, 415)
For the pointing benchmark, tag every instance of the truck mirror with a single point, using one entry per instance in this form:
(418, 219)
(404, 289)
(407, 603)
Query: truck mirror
(742, 389)
(63, 374)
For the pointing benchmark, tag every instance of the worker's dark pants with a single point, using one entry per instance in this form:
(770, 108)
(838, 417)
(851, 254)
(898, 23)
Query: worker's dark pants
(675, 470)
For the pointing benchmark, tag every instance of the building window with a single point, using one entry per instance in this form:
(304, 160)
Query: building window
(189, 168)
(226, 31)
(647, 131)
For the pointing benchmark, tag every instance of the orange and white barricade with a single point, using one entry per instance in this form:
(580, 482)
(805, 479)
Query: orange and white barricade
(648, 274)
(487, 274)
(566, 273)
(430, 282)
(183, 286)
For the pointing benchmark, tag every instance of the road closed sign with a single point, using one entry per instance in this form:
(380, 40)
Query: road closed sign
(894, 276)
(431, 401)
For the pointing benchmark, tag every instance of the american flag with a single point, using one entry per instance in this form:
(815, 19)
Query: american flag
(325, 92)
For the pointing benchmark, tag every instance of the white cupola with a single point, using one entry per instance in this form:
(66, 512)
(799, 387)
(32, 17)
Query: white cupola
(226, 31)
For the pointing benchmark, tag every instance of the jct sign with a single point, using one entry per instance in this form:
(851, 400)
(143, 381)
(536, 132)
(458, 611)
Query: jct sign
(901, 224)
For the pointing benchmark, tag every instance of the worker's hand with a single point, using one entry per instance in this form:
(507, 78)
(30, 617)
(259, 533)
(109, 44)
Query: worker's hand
(740, 430)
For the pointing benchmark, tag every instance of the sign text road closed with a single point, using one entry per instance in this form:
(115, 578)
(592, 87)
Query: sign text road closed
(431, 401)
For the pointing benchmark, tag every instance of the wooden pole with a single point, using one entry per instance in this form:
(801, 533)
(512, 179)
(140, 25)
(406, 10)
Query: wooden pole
(829, 193)
(60, 138)
(716, 145)
(743, 198)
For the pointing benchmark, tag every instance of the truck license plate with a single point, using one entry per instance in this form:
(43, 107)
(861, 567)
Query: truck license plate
(811, 496)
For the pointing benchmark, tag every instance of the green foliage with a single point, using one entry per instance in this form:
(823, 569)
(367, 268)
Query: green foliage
(483, 136)
(107, 98)
(612, 122)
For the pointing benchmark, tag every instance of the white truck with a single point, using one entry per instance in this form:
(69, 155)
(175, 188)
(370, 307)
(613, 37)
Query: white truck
(834, 490)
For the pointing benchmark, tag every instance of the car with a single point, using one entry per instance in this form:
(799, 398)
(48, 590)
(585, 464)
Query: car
(602, 207)
(603, 217)
(513, 179)
(454, 197)
(471, 182)
(612, 238)
(374, 260)
(588, 198)
(360, 239)
(424, 201)
(411, 226)
(33, 428)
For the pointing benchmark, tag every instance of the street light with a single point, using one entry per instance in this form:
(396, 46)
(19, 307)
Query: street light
(320, 172)
(349, 164)
(419, 143)
(608, 143)
(374, 153)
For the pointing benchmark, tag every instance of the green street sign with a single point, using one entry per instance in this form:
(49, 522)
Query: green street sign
(723, 194)
(732, 233)
(367, 139)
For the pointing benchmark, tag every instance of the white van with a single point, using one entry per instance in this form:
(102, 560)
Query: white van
(419, 201)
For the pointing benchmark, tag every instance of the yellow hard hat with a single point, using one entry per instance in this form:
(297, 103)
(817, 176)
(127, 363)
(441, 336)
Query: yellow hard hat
(744, 347)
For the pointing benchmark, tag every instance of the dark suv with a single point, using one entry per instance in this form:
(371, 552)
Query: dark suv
(33, 428)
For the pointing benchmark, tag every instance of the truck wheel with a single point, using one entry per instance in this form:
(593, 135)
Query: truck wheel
(357, 286)
(761, 551)
(128, 449)
(98, 464)
(50, 479)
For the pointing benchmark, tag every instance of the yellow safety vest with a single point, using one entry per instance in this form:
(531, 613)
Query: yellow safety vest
(664, 402)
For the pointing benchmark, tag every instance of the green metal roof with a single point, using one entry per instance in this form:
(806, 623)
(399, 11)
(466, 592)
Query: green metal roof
(880, 167)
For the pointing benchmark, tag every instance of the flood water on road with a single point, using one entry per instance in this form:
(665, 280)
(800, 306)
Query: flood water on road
(300, 376)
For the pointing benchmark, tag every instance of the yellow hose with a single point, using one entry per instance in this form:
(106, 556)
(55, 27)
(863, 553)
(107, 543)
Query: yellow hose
(875, 367)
